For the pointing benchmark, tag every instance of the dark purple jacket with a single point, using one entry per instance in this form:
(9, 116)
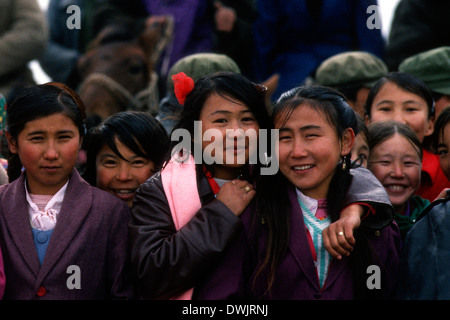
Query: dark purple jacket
(296, 277)
(91, 233)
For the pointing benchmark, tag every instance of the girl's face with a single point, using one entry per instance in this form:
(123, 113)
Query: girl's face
(396, 164)
(122, 177)
(394, 103)
(48, 149)
(310, 150)
(443, 148)
(235, 146)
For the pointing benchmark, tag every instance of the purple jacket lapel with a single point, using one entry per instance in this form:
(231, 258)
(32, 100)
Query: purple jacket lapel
(298, 244)
(76, 205)
(300, 250)
(15, 212)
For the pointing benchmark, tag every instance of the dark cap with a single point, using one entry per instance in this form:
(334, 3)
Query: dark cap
(201, 64)
(432, 67)
(350, 68)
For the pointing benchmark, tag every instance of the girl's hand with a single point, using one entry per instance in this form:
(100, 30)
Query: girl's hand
(236, 195)
(338, 237)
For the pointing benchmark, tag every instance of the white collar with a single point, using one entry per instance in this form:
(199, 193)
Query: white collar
(309, 202)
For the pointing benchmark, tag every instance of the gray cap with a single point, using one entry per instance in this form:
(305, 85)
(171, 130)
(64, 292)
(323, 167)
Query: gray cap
(432, 67)
(350, 68)
(201, 64)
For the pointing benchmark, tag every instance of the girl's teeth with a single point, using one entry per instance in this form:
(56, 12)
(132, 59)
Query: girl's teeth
(304, 167)
(124, 191)
(396, 188)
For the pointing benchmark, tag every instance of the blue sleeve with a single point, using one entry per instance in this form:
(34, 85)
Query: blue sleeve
(266, 34)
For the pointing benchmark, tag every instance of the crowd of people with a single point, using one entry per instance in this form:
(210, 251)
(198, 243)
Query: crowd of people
(181, 203)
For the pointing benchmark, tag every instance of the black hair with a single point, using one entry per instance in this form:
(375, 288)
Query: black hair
(441, 121)
(383, 130)
(137, 130)
(36, 102)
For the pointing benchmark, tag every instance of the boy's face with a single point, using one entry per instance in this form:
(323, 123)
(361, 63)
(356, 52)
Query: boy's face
(122, 177)
(443, 148)
(394, 103)
(360, 149)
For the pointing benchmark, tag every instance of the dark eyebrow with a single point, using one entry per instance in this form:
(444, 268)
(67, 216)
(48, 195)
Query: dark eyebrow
(228, 112)
(43, 132)
(403, 103)
(308, 127)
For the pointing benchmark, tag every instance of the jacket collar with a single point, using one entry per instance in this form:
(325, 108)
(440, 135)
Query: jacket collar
(299, 247)
(78, 197)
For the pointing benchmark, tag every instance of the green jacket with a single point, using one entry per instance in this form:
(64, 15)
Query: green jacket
(416, 205)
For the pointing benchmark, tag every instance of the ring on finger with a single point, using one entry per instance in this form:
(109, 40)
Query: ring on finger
(340, 233)
(247, 188)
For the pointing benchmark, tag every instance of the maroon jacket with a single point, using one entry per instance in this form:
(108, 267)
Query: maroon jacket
(296, 277)
(91, 233)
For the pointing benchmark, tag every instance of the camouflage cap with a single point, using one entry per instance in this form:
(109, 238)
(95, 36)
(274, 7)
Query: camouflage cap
(201, 64)
(432, 67)
(350, 68)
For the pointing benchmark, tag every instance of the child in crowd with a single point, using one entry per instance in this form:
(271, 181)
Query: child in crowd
(396, 160)
(124, 151)
(61, 238)
(441, 140)
(425, 260)
(360, 150)
(404, 98)
(284, 256)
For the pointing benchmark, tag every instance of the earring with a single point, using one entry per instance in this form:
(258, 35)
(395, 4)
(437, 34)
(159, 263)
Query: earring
(344, 163)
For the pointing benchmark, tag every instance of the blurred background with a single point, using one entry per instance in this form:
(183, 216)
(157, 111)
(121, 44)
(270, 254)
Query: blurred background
(386, 7)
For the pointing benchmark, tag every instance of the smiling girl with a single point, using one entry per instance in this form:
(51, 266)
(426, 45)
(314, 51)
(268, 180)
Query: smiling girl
(396, 160)
(124, 151)
(316, 134)
(185, 216)
(53, 223)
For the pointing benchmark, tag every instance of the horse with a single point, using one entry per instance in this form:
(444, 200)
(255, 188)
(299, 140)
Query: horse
(117, 71)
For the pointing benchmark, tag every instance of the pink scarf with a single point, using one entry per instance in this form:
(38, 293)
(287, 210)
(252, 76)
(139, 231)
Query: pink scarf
(180, 186)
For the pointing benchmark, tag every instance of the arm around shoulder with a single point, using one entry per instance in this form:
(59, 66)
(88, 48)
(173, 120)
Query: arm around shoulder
(366, 190)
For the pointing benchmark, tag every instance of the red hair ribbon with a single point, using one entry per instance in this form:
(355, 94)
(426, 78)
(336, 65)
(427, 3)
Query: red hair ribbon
(182, 86)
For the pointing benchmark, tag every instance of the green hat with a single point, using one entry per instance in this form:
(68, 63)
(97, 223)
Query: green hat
(350, 68)
(201, 64)
(432, 67)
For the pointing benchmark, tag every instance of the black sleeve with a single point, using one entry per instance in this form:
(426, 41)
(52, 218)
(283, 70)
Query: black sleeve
(166, 261)
(365, 188)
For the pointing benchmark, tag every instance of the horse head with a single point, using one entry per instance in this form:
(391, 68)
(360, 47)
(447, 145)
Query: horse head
(117, 71)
